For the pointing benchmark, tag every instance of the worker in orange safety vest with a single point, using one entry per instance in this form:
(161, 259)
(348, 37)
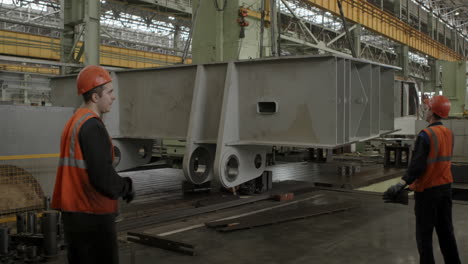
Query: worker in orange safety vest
(87, 186)
(429, 176)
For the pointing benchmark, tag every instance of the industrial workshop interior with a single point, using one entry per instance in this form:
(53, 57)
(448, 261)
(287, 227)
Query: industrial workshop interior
(233, 131)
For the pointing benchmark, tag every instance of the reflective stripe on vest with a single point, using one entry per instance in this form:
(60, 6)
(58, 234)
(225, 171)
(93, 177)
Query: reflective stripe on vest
(438, 168)
(71, 161)
(436, 150)
(73, 191)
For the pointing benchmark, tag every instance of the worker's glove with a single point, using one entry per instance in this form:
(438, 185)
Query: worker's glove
(396, 194)
(129, 197)
(131, 194)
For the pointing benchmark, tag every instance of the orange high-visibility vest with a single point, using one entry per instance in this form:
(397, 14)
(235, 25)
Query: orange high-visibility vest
(73, 191)
(438, 170)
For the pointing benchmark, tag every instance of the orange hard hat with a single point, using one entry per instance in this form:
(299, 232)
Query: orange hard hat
(439, 105)
(91, 77)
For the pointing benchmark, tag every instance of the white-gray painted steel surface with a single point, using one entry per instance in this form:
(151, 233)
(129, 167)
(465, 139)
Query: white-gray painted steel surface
(230, 113)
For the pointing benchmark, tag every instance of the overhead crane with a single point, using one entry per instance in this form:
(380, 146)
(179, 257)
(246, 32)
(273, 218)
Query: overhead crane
(385, 24)
(48, 48)
(357, 11)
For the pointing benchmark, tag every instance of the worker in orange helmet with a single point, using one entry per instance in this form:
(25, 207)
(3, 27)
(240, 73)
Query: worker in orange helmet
(87, 186)
(429, 176)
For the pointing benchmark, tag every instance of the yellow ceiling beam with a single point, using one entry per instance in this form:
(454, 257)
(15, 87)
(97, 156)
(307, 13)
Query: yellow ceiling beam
(385, 24)
(33, 46)
(257, 14)
(31, 69)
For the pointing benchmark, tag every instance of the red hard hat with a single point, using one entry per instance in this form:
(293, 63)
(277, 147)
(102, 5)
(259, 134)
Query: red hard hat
(439, 104)
(91, 77)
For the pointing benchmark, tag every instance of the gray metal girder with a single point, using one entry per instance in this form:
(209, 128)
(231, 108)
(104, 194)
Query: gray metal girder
(231, 113)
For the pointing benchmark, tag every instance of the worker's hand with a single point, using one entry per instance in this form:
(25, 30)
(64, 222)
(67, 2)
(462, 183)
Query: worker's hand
(393, 190)
(131, 193)
(396, 194)
(129, 197)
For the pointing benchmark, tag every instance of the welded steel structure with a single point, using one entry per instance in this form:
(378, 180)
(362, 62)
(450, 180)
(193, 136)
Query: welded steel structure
(230, 114)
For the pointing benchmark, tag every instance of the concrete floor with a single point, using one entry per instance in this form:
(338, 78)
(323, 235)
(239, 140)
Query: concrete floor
(373, 233)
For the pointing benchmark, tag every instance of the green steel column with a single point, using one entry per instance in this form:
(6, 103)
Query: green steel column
(207, 35)
(453, 40)
(81, 22)
(92, 38)
(175, 42)
(402, 50)
(408, 11)
(72, 15)
(273, 34)
(454, 85)
(219, 22)
(403, 60)
(3, 93)
(217, 35)
(433, 85)
(68, 34)
(356, 35)
(445, 35)
(204, 43)
(466, 86)
(430, 25)
(397, 8)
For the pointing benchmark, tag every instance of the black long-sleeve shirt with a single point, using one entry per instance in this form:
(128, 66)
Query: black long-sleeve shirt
(95, 145)
(418, 163)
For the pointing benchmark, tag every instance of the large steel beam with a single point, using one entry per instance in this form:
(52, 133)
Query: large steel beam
(230, 114)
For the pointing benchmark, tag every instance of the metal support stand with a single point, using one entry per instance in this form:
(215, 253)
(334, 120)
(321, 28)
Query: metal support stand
(50, 230)
(264, 183)
(346, 172)
(188, 187)
(29, 245)
(318, 155)
(4, 241)
(260, 184)
(21, 223)
(32, 222)
(396, 156)
(46, 203)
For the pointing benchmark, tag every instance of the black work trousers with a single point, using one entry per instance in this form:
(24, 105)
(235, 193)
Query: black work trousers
(433, 209)
(91, 238)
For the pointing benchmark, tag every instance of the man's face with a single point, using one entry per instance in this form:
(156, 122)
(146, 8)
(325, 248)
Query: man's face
(427, 113)
(104, 102)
